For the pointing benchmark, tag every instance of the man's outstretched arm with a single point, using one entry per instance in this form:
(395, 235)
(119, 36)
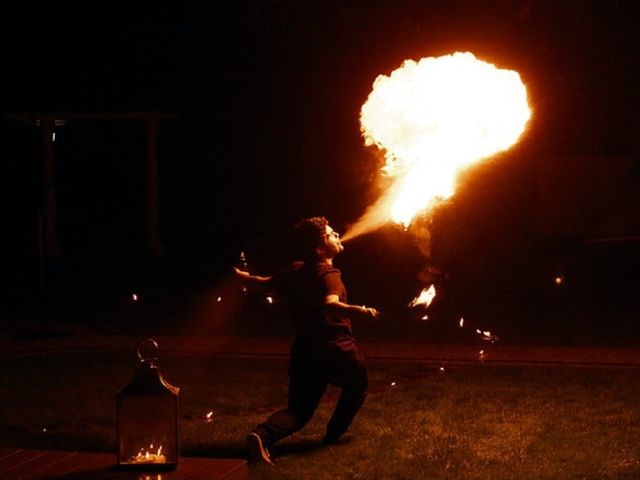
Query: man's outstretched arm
(250, 280)
(334, 305)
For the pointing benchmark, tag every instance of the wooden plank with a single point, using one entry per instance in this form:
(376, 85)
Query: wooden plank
(37, 460)
(65, 461)
(193, 469)
(7, 452)
(191, 466)
(221, 468)
(66, 465)
(80, 461)
(89, 462)
(18, 458)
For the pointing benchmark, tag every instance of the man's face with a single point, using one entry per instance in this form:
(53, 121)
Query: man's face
(331, 243)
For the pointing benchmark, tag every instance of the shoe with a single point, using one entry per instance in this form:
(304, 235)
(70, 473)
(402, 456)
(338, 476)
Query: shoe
(258, 453)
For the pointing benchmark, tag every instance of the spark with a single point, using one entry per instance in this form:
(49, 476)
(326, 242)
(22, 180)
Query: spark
(487, 335)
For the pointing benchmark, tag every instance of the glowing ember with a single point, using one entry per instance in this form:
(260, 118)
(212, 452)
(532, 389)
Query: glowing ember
(425, 298)
(558, 280)
(461, 322)
(134, 297)
(433, 118)
(270, 300)
(209, 416)
(393, 384)
(219, 299)
(425, 317)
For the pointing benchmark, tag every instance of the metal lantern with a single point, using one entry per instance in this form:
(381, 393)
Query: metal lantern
(147, 417)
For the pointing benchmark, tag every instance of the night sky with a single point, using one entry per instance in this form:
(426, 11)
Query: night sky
(267, 96)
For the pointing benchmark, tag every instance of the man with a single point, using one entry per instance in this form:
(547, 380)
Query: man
(323, 351)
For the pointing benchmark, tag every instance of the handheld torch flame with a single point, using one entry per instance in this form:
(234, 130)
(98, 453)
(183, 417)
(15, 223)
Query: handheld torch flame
(433, 118)
(425, 298)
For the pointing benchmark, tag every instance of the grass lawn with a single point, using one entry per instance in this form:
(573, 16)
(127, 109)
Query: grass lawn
(417, 423)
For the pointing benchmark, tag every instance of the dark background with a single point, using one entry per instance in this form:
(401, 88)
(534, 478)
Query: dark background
(267, 97)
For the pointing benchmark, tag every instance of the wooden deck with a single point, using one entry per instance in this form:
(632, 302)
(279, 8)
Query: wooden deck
(16, 464)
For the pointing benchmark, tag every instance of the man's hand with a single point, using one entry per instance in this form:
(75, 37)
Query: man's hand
(334, 305)
(369, 312)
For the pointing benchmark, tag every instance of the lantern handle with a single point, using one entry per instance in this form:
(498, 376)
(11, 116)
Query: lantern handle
(148, 351)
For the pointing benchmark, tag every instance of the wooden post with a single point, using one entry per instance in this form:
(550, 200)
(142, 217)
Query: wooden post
(48, 203)
(48, 198)
(152, 124)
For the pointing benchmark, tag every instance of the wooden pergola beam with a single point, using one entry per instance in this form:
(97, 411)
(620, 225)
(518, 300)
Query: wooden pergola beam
(48, 121)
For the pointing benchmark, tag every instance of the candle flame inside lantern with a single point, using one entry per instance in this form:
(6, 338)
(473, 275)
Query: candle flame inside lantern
(433, 118)
(148, 456)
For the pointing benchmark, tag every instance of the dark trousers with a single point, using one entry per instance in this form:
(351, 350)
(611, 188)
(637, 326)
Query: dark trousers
(308, 379)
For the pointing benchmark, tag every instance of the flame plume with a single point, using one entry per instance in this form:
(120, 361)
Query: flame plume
(433, 118)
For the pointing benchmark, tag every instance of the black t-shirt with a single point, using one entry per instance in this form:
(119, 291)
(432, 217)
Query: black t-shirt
(306, 286)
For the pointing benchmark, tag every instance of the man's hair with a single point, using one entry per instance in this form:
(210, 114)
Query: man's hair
(308, 235)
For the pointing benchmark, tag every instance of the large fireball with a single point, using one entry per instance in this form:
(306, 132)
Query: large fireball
(433, 118)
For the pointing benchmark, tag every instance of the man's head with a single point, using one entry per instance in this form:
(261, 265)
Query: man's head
(316, 239)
